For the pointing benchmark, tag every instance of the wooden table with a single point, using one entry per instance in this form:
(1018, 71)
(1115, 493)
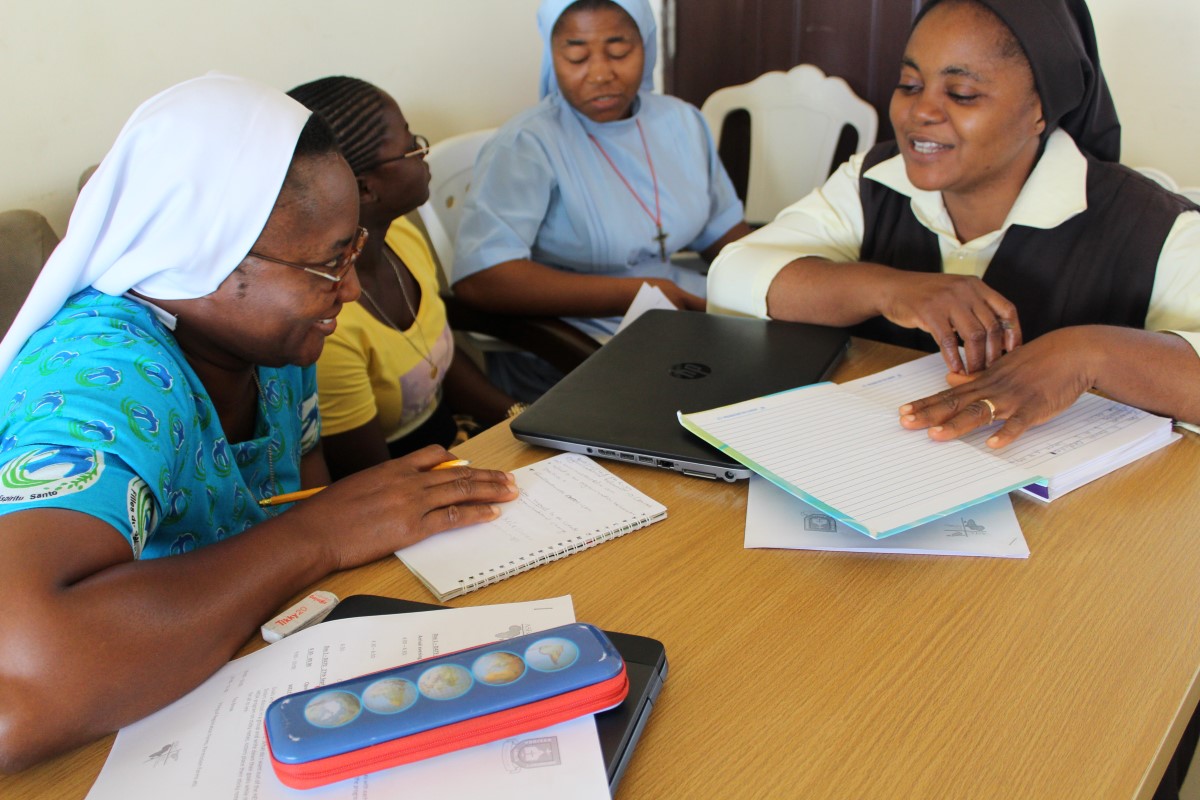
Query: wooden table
(824, 675)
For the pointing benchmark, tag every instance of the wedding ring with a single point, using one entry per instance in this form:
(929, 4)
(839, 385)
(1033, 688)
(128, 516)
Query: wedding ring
(991, 407)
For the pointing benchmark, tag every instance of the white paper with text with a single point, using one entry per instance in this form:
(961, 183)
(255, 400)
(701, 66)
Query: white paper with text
(775, 518)
(210, 743)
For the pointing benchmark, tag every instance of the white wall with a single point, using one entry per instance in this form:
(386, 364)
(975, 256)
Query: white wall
(1149, 52)
(71, 71)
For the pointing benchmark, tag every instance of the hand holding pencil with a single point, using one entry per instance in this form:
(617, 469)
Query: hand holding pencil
(377, 511)
(291, 497)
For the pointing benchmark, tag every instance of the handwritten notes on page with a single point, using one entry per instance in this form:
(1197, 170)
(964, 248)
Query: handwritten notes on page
(210, 743)
(777, 519)
(567, 503)
(841, 448)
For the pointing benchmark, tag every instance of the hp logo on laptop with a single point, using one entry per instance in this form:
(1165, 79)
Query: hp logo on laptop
(689, 371)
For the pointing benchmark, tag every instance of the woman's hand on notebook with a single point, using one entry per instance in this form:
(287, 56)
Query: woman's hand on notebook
(1028, 386)
(377, 511)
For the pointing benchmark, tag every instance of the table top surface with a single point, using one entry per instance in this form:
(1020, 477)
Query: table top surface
(809, 674)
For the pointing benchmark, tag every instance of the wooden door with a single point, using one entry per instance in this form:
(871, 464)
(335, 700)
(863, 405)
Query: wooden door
(714, 43)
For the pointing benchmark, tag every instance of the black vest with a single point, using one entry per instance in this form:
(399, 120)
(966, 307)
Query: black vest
(1096, 268)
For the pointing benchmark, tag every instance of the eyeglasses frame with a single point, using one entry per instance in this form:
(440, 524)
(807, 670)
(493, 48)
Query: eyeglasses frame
(341, 265)
(420, 151)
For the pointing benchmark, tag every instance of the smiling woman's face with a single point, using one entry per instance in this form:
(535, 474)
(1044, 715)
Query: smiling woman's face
(270, 314)
(598, 61)
(966, 113)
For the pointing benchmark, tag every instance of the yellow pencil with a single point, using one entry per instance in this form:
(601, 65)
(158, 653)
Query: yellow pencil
(291, 497)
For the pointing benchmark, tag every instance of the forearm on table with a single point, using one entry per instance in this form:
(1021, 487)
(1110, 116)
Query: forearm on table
(827, 293)
(529, 288)
(92, 644)
(1159, 372)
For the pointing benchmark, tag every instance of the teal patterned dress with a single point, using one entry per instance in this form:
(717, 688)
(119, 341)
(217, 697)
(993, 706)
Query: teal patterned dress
(104, 415)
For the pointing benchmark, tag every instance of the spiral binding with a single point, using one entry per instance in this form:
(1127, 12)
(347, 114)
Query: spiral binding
(561, 550)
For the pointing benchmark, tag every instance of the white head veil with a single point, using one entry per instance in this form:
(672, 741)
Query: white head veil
(643, 17)
(178, 201)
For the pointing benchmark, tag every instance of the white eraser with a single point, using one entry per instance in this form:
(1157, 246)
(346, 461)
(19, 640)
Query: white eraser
(308, 611)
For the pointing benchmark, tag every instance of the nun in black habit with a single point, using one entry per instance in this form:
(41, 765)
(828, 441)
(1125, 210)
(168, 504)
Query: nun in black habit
(997, 220)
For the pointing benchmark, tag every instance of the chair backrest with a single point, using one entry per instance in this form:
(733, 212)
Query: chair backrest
(450, 164)
(26, 241)
(796, 121)
(1160, 177)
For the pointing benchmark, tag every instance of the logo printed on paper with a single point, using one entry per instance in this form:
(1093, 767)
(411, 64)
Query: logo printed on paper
(822, 523)
(965, 527)
(541, 751)
(513, 631)
(168, 752)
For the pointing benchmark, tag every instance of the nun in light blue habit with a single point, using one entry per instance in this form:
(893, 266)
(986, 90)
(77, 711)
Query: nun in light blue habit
(615, 198)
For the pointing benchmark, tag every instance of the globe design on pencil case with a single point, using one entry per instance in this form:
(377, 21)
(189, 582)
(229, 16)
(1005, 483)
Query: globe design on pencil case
(498, 668)
(552, 654)
(445, 682)
(332, 709)
(389, 696)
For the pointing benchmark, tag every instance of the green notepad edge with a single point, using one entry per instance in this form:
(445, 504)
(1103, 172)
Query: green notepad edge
(796, 491)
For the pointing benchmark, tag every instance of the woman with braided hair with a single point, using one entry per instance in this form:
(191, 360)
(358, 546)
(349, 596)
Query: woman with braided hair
(388, 378)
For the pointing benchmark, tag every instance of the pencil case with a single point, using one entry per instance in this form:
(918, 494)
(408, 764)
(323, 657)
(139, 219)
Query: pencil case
(440, 704)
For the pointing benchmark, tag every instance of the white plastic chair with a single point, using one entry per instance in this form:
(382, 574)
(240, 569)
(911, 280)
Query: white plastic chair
(450, 164)
(796, 119)
(1160, 177)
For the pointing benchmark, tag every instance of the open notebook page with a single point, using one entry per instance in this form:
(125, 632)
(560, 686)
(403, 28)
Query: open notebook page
(849, 457)
(1094, 436)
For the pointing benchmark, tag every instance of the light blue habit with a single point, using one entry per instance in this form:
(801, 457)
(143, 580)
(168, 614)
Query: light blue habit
(543, 191)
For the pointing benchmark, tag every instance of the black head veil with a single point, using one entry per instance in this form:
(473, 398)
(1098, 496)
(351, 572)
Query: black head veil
(1060, 43)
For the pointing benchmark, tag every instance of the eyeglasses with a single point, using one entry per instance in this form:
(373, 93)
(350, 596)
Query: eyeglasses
(420, 149)
(333, 270)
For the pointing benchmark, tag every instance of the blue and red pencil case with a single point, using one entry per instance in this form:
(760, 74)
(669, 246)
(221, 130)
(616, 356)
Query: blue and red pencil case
(441, 704)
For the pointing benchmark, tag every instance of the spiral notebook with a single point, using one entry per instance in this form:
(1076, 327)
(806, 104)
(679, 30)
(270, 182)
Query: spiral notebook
(567, 503)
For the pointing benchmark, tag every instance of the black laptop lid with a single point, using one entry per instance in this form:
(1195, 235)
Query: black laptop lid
(621, 402)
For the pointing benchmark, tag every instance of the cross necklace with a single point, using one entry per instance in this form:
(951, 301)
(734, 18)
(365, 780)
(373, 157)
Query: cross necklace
(656, 216)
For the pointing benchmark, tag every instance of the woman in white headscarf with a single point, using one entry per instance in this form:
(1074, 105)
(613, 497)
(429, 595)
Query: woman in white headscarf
(158, 385)
(578, 201)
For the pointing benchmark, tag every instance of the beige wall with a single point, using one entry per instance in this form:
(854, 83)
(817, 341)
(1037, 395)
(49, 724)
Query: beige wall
(1149, 54)
(73, 70)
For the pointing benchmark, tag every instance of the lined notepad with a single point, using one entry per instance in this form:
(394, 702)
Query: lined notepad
(567, 503)
(841, 449)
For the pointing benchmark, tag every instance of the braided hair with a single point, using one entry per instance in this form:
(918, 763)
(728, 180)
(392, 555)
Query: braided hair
(354, 109)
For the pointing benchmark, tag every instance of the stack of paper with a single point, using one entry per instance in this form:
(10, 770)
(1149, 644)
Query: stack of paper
(842, 449)
(777, 519)
(210, 743)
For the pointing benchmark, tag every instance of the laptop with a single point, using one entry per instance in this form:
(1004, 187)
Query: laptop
(621, 402)
(620, 727)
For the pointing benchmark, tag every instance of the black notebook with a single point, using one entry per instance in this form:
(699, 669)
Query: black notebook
(621, 403)
(620, 727)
